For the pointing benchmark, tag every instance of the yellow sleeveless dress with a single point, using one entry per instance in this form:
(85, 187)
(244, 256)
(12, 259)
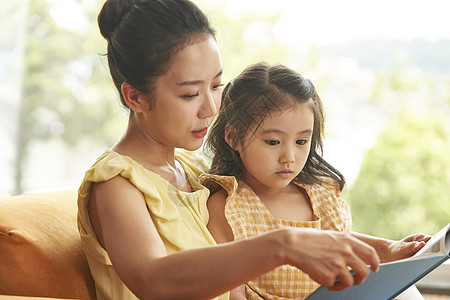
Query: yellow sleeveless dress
(179, 217)
(248, 216)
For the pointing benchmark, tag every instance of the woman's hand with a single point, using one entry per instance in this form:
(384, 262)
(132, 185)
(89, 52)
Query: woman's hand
(328, 256)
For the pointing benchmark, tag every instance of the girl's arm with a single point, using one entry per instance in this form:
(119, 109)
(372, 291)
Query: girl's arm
(221, 231)
(125, 229)
(238, 293)
(389, 250)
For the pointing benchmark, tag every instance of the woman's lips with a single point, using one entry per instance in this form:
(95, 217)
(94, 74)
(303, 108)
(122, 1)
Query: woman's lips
(200, 133)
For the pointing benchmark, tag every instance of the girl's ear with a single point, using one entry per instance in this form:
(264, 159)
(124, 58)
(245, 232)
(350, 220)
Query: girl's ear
(230, 136)
(134, 99)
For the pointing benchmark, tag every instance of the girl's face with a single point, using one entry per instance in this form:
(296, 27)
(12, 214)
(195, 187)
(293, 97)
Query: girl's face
(278, 151)
(187, 97)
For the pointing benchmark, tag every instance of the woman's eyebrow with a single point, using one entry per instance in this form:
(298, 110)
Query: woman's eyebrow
(195, 82)
(218, 74)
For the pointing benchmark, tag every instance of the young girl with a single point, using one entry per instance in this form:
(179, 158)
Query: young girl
(268, 173)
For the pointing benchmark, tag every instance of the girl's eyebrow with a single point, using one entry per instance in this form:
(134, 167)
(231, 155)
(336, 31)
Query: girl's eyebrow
(274, 130)
(195, 82)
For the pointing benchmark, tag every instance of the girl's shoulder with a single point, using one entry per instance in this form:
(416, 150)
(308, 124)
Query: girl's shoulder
(329, 183)
(325, 184)
(217, 182)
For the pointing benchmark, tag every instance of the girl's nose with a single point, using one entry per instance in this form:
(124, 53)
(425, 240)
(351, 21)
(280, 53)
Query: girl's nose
(287, 156)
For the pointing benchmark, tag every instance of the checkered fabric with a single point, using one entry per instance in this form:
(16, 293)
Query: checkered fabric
(248, 216)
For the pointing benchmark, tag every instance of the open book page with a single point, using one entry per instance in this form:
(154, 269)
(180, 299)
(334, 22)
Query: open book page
(390, 281)
(438, 244)
(395, 277)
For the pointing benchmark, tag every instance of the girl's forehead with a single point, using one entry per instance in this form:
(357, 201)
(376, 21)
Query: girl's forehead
(294, 119)
(293, 108)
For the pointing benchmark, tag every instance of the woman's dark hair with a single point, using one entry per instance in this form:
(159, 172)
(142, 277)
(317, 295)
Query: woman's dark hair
(143, 36)
(246, 102)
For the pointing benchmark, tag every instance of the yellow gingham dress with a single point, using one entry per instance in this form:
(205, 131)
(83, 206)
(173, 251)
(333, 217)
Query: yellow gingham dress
(248, 216)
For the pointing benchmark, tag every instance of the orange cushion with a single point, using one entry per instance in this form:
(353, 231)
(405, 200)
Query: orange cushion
(40, 248)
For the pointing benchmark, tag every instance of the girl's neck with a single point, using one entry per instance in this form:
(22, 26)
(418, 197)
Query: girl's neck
(270, 192)
(287, 203)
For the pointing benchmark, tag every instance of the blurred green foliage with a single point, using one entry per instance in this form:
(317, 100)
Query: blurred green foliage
(66, 92)
(244, 39)
(404, 180)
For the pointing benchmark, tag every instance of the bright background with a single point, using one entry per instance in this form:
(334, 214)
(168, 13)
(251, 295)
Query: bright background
(382, 69)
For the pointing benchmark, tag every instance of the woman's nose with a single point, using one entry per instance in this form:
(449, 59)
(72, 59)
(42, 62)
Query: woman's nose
(210, 106)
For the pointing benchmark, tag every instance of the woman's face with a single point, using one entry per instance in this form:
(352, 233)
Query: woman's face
(186, 99)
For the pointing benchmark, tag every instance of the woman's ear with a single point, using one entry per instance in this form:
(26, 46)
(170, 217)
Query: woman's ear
(134, 99)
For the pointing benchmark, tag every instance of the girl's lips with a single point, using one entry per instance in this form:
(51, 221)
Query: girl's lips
(200, 133)
(284, 174)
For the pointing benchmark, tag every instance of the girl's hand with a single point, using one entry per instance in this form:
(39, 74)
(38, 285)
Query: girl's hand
(406, 247)
(389, 250)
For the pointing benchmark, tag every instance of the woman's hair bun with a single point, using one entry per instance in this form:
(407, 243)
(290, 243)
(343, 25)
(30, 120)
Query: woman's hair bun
(112, 14)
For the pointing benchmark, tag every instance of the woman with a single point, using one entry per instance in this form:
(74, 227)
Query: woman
(142, 212)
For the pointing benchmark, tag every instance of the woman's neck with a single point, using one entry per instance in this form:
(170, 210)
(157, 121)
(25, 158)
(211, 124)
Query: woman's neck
(151, 155)
(140, 146)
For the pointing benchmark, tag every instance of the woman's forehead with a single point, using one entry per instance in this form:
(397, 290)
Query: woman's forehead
(196, 61)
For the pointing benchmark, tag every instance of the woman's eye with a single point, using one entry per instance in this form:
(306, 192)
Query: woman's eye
(301, 142)
(217, 86)
(190, 96)
(272, 142)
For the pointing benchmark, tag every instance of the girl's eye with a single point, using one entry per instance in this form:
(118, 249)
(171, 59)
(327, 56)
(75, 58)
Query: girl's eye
(301, 142)
(272, 142)
(190, 96)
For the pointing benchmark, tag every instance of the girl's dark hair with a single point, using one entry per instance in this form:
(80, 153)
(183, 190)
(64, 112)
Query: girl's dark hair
(143, 35)
(246, 102)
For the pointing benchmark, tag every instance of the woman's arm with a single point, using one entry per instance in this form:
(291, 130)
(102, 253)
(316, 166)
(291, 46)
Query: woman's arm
(389, 250)
(124, 227)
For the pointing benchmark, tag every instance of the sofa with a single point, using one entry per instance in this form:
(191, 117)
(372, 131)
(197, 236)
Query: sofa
(41, 256)
(40, 248)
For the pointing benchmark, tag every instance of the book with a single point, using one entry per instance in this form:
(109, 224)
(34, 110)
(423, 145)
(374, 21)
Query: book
(395, 277)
